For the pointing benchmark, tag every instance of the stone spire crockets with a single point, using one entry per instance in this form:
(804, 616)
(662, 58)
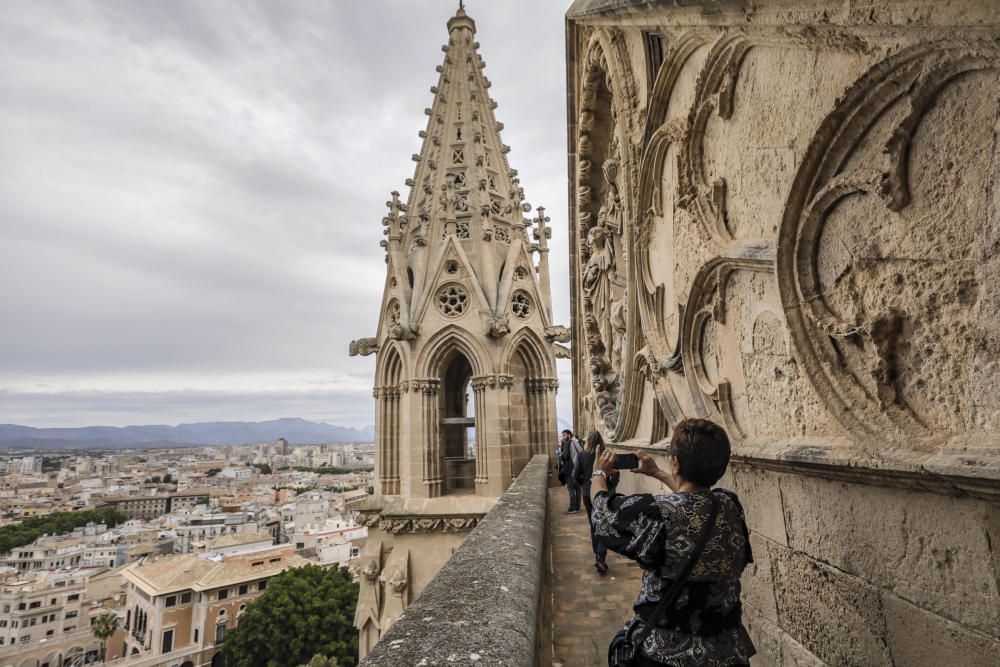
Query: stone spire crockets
(464, 190)
(465, 376)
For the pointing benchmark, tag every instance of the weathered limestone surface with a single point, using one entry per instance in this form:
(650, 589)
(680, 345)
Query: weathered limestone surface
(481, 606)
(785, 216)
(465, 377)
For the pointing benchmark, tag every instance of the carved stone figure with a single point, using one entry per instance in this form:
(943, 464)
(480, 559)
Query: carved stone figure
(370, 571)
(397, 582)
(363, 347)
(611, 214)
(619, 326)
(597, 277)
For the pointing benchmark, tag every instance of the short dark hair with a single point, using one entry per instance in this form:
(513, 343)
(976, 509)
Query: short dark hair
(702, 450)
(566, 430)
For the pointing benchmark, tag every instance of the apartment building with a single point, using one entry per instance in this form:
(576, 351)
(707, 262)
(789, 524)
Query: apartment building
(193, 531)
(45, 617)
(150, 507)
(335, 543)
(46, 553)
(187, 601)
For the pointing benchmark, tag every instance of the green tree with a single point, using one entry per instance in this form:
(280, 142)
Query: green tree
(103, 627)
(57, 523)
(264, 468)
(321, 661)
(305, 612)
(212, 472)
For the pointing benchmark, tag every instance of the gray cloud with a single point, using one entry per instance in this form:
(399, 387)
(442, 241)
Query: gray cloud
(191, 195)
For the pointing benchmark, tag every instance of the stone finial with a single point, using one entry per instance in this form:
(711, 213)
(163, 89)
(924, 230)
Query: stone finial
(542, 232)
(517, 204)
(394, 222)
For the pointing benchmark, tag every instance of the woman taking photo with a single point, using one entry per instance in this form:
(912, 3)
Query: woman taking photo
(692, 545)
(583, 472)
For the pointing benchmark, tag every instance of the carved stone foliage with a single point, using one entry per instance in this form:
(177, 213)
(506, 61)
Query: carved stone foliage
(541, 385)
(893, 322)
(427, 387)
(439, 524)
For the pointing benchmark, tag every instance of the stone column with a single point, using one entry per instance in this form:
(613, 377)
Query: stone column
(389, 439)
(480, 385)
(504, 383)
(380, 450)
(430, 414)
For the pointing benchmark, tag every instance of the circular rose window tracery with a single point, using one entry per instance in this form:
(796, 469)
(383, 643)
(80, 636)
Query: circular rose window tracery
(520, 305)
(452, 300)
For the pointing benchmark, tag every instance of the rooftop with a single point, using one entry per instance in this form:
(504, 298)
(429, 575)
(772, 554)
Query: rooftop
(178, 572)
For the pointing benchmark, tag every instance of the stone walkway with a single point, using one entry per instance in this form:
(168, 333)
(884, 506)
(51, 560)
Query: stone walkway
(587, 609)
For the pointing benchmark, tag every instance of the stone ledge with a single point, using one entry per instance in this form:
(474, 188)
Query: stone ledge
(498, 572)
(957, 469)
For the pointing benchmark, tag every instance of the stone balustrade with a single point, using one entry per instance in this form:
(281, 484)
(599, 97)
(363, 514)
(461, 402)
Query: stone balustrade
(482, 606)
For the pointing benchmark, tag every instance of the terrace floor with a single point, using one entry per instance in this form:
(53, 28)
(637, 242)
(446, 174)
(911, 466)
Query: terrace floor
(587, 608)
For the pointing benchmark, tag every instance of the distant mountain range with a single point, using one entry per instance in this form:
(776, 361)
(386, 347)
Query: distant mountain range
(296, 431)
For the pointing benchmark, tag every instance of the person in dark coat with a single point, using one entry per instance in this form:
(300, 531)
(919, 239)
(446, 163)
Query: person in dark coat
(569, 450)
(593, 446)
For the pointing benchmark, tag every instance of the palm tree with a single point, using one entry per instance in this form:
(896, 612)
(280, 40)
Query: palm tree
(103, 627)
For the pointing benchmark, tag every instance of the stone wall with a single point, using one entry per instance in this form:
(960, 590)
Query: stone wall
(785, 217)
(481, 607)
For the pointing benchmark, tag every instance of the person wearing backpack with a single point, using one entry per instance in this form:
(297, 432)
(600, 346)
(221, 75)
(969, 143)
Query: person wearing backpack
(569, 450)
(692, 545)
(592, 447)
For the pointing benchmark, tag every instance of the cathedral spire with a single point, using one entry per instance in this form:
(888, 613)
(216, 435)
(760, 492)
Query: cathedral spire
(465, 371)
(463, 187)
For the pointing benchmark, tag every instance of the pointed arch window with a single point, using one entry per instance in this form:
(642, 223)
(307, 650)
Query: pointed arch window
(458, 426)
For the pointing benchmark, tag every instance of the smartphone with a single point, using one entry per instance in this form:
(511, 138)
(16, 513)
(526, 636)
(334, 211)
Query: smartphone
(625, 462)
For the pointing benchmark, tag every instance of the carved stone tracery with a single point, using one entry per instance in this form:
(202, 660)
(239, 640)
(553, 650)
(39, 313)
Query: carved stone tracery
(854, 350)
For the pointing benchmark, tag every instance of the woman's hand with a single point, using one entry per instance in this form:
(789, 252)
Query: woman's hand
(605, 461)
(647, 466)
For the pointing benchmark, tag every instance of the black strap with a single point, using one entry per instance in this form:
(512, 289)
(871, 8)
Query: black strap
(675, 588)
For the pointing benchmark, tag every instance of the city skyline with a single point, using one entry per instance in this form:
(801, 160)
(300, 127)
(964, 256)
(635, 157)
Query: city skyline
(188, 251)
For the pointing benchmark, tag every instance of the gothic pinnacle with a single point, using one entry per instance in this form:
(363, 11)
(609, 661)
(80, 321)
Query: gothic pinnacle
(542, 233)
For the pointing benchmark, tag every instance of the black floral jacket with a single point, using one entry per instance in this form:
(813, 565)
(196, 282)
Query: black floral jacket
(659, 533)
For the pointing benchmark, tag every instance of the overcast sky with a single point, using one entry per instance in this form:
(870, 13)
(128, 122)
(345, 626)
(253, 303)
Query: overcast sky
(191, 195)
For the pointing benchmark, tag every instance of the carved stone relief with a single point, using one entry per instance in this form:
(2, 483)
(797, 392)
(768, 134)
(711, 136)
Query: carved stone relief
(886, 320)
(883, 326)
(602, 223)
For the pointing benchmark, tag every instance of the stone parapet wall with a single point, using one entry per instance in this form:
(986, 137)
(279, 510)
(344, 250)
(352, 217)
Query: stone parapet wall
(785, 218)
(481, 607)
